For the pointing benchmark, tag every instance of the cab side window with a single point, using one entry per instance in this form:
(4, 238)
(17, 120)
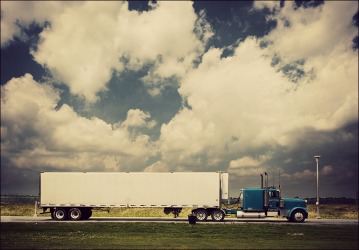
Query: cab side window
(273, 194)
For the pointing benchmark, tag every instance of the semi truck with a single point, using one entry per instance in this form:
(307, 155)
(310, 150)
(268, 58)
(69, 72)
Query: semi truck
(73, 195)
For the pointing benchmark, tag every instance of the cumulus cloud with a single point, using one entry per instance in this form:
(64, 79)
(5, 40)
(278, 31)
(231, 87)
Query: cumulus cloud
(311, 174)
(82, 36)
(248, 161)
(137, 118)
(239, 105)
(19, 15)
(37, 134)
(227, 96)
(248, 166)
(330, 63)
(158, 166)
(271, 5)
(100, 38)
(322, 29)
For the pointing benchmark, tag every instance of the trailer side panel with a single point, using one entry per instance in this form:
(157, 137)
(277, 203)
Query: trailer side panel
(133, 189)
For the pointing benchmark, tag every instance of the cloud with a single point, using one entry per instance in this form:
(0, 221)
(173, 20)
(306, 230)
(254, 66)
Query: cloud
(247, 165)
(137, 118)
(327, 170)
(245, 96)
(228, 98)
(157, 167)
(100, 38)
(37, 134)
(310, 175)
(329, 62)
(322, 29)
(271, 5)
(82, 36)
(17, 15)
(247, 161)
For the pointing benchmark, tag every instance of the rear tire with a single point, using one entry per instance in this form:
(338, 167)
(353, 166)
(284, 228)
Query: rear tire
(75, 214)
(60, 214)
(201, 214)
(217, 215)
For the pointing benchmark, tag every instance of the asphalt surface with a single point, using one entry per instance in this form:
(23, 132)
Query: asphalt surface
(41, 219)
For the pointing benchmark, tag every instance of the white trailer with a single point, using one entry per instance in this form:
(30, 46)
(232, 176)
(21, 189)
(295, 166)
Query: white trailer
(73, 195)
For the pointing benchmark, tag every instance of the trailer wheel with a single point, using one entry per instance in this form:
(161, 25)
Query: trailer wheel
(297, 216)
(217, 215)
(60, 214)
(75, 214)
(201, 214)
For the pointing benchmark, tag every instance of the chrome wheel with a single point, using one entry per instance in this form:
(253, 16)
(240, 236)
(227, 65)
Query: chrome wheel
(298, 216)
(75, 214)
(201, 215)
(60, 214)
(217, 215)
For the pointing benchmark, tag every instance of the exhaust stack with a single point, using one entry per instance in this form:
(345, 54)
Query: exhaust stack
(266, 180)
(261, 180)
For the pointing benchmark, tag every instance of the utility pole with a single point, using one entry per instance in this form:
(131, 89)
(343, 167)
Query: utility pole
(317, 157)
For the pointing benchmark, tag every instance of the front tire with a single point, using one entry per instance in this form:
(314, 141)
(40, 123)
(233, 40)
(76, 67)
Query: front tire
(75, 214)
(217, 215)
(297, 216)
(201, 214)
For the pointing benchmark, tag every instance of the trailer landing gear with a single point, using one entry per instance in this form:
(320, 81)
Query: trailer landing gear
(175, 210)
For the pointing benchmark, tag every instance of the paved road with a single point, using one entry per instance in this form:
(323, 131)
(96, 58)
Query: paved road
(41, 219)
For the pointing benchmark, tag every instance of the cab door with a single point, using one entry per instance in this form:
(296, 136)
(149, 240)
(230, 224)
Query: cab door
(273, 200)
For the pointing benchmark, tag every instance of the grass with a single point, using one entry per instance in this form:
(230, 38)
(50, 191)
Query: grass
(334, 211)
(138, 212)
(25, 209)
(176, 236)
(327, 211)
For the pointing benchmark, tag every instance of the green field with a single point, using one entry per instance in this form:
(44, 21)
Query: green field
(176, 236)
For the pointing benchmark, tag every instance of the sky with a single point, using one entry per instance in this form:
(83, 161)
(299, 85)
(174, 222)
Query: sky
(181, 86)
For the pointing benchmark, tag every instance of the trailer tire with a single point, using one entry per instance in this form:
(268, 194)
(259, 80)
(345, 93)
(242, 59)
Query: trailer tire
(297, 216)
(60, 214)
(75, 214)
(217, 215)
(201, 214)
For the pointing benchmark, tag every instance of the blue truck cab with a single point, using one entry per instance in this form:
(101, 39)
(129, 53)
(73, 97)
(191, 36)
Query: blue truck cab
(267, 202)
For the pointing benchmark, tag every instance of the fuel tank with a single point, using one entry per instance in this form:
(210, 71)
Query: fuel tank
(241, 214)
